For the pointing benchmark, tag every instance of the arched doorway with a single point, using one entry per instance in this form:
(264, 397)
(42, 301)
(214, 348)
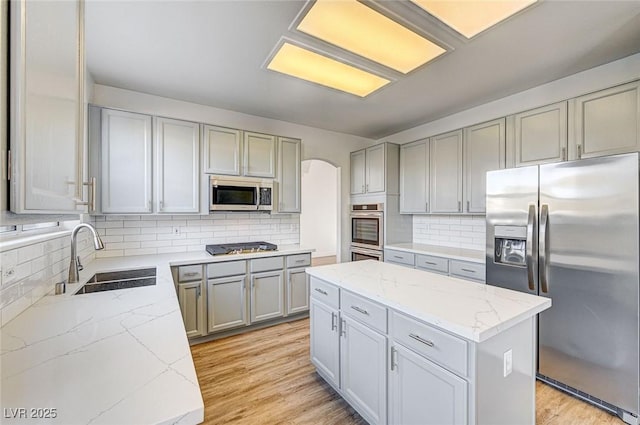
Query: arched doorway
(319, 221)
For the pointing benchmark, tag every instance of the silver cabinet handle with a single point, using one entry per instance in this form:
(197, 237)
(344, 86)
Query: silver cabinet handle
(334, 325)
(367, 186)
(343, 328)
(543, 247)
(362, 188)
(468, 270)
(430, 263)
(422, 340)
(459, 206)
(300, 261)
(579, 151)
(191, 274)
(393, 357)
(426, 209)
(531, 234)
(468, 206)
(397, 256)
(321, 291)
(91, 203)
(563, 154)
(198, 292)
(161, 205)
(360, 310)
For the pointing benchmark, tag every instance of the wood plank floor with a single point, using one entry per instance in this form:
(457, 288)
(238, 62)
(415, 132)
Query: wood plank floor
(265, 377)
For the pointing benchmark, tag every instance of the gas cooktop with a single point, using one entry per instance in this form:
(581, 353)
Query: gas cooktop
(240, 248)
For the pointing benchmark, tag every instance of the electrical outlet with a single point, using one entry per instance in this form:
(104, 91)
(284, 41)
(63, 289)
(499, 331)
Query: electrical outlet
(508, 362)
(175, 230)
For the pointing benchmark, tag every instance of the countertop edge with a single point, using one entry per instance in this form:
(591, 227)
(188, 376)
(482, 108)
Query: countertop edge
(437, 253)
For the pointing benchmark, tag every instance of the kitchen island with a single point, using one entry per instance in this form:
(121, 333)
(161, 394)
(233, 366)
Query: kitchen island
(113, 357)
(408, 346)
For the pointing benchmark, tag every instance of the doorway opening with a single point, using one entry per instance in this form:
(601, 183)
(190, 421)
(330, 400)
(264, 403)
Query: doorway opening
(320, 218)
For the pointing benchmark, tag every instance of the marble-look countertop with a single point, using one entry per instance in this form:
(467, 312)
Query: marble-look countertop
(472, 255)
(473, 311)
(113, 357)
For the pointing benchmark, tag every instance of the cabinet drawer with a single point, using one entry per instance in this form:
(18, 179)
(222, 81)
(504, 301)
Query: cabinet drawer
(436, 264)
(266, 264)
(465, 270)
(325, 292)
(439, 346)
(228, 268)
(399, 257)
(363, 310)
(298, 260)
(189, 273)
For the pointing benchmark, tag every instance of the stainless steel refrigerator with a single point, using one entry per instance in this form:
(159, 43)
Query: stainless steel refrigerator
(570, 231)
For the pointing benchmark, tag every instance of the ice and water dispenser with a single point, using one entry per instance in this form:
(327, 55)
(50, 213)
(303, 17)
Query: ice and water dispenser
(511, 245)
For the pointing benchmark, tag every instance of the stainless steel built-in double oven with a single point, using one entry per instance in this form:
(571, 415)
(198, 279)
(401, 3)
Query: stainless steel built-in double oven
(367, 233)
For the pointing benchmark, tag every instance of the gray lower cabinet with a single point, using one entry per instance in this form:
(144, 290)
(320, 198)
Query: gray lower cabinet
(455, 268)
(192, 307)
(421, 392)
(226, 303)
(325, 340)
(267, 295)
(297, 291)
(363, 374)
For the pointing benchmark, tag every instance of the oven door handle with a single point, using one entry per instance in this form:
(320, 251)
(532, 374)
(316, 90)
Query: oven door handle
(358, 215)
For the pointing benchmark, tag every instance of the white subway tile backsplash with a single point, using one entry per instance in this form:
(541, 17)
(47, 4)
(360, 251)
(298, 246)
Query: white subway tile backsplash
(453, 231)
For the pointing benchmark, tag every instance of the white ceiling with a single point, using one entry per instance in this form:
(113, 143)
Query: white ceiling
(212, 53)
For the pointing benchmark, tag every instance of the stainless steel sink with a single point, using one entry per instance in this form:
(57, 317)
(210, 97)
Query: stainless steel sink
(121, 279)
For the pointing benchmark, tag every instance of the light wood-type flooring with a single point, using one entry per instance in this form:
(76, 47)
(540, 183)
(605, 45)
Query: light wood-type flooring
(265, 377)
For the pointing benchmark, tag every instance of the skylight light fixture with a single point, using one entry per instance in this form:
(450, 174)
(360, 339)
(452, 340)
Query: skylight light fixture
(357, 28)
(471, 17)
(307, 65)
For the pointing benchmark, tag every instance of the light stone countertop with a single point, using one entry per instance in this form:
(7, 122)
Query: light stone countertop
(473, 311)
(472, 255)
(113, 357)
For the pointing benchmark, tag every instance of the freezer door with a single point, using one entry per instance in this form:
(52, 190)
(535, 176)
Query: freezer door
(512, 211)
(588, 339)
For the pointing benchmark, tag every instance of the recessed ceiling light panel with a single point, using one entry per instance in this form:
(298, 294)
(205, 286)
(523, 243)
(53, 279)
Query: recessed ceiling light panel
(307, 65)
(471, 17)
(357, 28)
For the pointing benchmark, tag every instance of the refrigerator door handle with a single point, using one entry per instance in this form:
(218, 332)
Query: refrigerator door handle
(544, 247)
(531, 228)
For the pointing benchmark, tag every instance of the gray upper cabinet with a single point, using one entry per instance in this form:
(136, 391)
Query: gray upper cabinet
(375, 169)
(484, 150)
(259, 155)
(539, 135)
(414, 177)
(222, 150)
(47, 106)
(607, 122)
(288, 198)
(177, 149)
(358, 172)
(445, 171)
(126, 171)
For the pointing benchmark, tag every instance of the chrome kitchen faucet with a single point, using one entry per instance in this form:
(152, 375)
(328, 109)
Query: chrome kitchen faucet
(75, 265)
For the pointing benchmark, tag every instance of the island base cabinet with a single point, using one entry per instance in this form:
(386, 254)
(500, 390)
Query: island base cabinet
(423, 393)
(363, 370)
(267, 295)
(325, 341)
(226, 303)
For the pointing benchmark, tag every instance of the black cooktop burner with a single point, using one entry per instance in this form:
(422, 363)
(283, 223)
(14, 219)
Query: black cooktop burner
(240, 248)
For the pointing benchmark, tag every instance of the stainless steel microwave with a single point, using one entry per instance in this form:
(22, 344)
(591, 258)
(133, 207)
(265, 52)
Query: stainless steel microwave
(240, 194)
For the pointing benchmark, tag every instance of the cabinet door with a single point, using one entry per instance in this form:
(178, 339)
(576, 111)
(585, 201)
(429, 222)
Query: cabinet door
(541, 135)
(47, 107)
(177, 166)
(126, 162)
(445, 172)
(259, 155)
(289, 175)
(375, 167)
(226, 303)
(325, 341)
(363, 374)
(414, 177)
(357, 172)
(484, 150)
(192, 307)
(608, 121)
(423, 393)
(267, 295)
(222, 150)
(297, 291)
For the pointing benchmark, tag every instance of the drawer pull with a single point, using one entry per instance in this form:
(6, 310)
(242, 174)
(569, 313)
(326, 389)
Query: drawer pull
(334, 325)
(468, 270)
(191, 274)
(430, 263)
(360, 310)
(321, 291)
(393, 358)
(422, 340)
(397, 256)
(300, 261)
